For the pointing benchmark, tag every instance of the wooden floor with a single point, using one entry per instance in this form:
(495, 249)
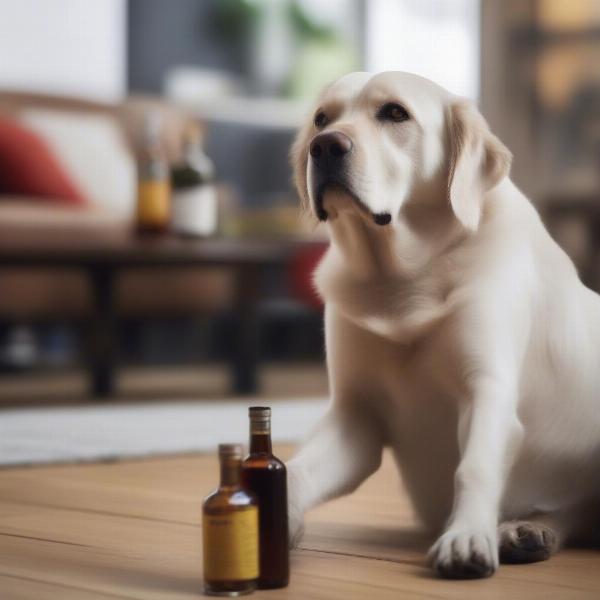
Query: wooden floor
(132, 530)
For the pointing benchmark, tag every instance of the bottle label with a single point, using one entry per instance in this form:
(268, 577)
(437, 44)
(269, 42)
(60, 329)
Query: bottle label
(231, 545)
(195, 210)
(153, 202)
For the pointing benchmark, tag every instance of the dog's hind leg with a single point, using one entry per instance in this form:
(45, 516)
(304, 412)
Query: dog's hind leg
(539, 536)
(533, 539)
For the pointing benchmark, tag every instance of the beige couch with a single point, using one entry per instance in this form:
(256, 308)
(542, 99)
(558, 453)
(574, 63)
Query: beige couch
(27, 294)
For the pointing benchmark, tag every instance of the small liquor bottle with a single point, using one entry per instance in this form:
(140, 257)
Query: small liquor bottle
(265, 476)
(153, 209)
(195, 209)
(230, 531)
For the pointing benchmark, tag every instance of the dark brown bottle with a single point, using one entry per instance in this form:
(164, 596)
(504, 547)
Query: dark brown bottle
(230, 531)
(265, 476)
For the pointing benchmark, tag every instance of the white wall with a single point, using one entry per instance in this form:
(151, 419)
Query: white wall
(438, 39)
(74, 47)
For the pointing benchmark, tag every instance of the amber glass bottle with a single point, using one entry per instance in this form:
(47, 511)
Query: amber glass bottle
(265, 476)
(153, 208)
(230, 531)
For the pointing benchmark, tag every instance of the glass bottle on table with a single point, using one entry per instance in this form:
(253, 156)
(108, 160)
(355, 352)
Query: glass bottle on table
(153, 206)
(195, 208)
(265, 476)
(230, 531)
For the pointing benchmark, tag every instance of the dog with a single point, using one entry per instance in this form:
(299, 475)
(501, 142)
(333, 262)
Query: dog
(457, 331)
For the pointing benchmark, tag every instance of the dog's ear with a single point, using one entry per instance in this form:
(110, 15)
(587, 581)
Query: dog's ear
(299, 161)
(478, 162)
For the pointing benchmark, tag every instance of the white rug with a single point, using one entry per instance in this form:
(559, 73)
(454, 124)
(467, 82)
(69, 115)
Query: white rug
(74, 434)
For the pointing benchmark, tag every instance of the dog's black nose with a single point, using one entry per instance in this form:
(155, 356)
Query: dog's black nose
(330, 146)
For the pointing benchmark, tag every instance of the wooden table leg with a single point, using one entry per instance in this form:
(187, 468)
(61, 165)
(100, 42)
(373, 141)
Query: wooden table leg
(103, 333)
(245, 353)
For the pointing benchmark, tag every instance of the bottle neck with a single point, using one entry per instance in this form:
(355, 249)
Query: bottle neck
(260, 443)
(195, 158)
(260, 436)
(190, 150)
(230, 473)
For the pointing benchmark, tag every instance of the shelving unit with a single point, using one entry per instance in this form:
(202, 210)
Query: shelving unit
(268, 113)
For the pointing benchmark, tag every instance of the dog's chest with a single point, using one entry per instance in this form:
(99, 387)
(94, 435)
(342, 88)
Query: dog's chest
(388, 306)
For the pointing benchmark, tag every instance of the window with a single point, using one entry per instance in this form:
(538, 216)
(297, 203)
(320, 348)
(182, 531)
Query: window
(438, 39)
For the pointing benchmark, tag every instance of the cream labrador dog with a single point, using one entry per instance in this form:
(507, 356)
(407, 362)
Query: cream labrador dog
(457, 331)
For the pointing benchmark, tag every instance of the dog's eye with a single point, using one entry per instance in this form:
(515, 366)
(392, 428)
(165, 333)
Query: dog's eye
(320, 119)
(393, 112)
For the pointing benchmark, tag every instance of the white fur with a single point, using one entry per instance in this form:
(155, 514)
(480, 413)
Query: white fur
(460, 335)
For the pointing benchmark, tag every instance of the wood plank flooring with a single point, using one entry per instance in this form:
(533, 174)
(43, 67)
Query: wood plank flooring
(132, 530)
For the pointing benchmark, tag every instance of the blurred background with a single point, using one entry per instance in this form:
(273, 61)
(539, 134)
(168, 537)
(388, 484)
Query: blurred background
(150, 240)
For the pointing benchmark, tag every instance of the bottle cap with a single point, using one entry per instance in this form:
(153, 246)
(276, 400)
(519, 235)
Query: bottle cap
(260, 419)
(152, 126)
(192, 132)
(259, 412)
(230, 450)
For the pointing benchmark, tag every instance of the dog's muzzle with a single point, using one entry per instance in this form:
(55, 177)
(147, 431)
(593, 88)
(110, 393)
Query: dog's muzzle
(329, 153)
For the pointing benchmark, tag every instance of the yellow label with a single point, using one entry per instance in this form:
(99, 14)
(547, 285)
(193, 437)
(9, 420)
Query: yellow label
(153, 201)
(231, 545)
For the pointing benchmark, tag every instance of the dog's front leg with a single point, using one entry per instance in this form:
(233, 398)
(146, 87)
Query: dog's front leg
(345, 448)
(489, 434)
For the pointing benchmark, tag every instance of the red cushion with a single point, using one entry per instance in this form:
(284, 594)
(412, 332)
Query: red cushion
(301, 269)
(29, 167)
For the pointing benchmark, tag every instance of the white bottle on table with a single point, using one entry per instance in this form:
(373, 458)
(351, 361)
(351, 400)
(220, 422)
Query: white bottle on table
(195, 207)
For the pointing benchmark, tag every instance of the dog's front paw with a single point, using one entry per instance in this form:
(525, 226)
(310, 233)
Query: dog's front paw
(465, 553)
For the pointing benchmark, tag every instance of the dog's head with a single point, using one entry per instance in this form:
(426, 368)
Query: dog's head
(376, 144)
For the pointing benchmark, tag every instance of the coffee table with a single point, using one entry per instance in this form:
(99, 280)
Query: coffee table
(102, 256)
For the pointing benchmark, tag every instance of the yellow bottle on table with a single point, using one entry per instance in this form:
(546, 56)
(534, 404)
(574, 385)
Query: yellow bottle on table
(230, 531)
(153, 208)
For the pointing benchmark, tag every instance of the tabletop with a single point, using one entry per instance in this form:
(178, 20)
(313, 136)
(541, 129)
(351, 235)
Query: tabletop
(38, 234)
(123, 247)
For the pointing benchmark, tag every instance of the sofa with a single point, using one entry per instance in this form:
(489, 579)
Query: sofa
(28, 294)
